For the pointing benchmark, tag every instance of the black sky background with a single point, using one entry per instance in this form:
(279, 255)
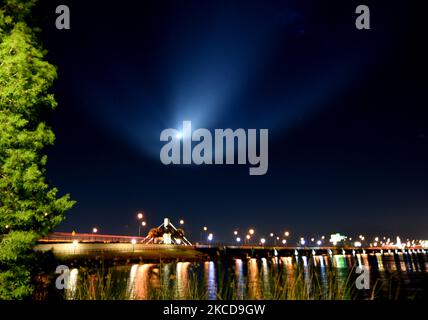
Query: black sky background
(346, 110)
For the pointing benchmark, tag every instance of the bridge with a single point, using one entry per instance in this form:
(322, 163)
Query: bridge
(84, 246)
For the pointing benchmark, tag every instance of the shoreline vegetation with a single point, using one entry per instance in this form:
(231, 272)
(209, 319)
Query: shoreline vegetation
(296, 282)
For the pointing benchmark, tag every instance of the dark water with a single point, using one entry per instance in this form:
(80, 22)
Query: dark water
(392, 276)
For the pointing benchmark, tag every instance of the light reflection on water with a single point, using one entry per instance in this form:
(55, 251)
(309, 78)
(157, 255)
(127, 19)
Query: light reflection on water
(258, 278)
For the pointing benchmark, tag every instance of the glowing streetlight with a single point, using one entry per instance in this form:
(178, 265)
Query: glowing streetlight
(251, 231)
(284, 241)
(262, 240)
(140, 216)
(319, 242)
(181, 221)
(205, 228)
(144, 223)
(94, 230)
(210, 237)
(238, 239)
(286, 233)
(271, 234)
(235, 232)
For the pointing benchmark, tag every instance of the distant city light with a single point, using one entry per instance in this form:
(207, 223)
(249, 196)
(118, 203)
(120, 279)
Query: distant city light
(319, 242)
(251, 231)
(238, 239)
(284, 241)
(133, 241)
(286, 233)
(263, 240)
(181, 221)
(140, 216)
(271, 234)
(235, 232)
(210, 237)
(205, 228)
(94, 230)
(143, 223)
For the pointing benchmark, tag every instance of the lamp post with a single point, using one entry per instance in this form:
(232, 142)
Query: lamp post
(140, 216)
(204, 230)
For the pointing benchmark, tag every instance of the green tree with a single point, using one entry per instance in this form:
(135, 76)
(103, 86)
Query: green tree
(29, 208)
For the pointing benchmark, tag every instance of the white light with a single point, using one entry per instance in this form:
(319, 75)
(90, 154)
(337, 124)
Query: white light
(262, 240)
(94, 230)
(179, 135)
(238, 239)
(133, 241)
(357, 244)
(75, 242)
(319, 242)
(284, 241)
(210, 237)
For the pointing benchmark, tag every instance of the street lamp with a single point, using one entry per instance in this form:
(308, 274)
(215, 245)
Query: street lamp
(140, 216)
(262, 240)
(235, 232)
(94, 230)
(238, 239)
(247, 237)
(210, 238)
(181, 221)
(286, 233)
(143, 224)
(204, 230)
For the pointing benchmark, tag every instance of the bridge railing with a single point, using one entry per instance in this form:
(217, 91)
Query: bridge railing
(89, 237)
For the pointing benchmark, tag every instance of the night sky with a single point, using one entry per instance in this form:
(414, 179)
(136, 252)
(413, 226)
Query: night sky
(346, 112)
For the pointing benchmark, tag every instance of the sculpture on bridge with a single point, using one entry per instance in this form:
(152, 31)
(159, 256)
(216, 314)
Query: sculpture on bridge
(167, 233)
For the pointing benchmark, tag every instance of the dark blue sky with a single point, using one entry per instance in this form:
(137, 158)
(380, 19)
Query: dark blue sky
(346, 111)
